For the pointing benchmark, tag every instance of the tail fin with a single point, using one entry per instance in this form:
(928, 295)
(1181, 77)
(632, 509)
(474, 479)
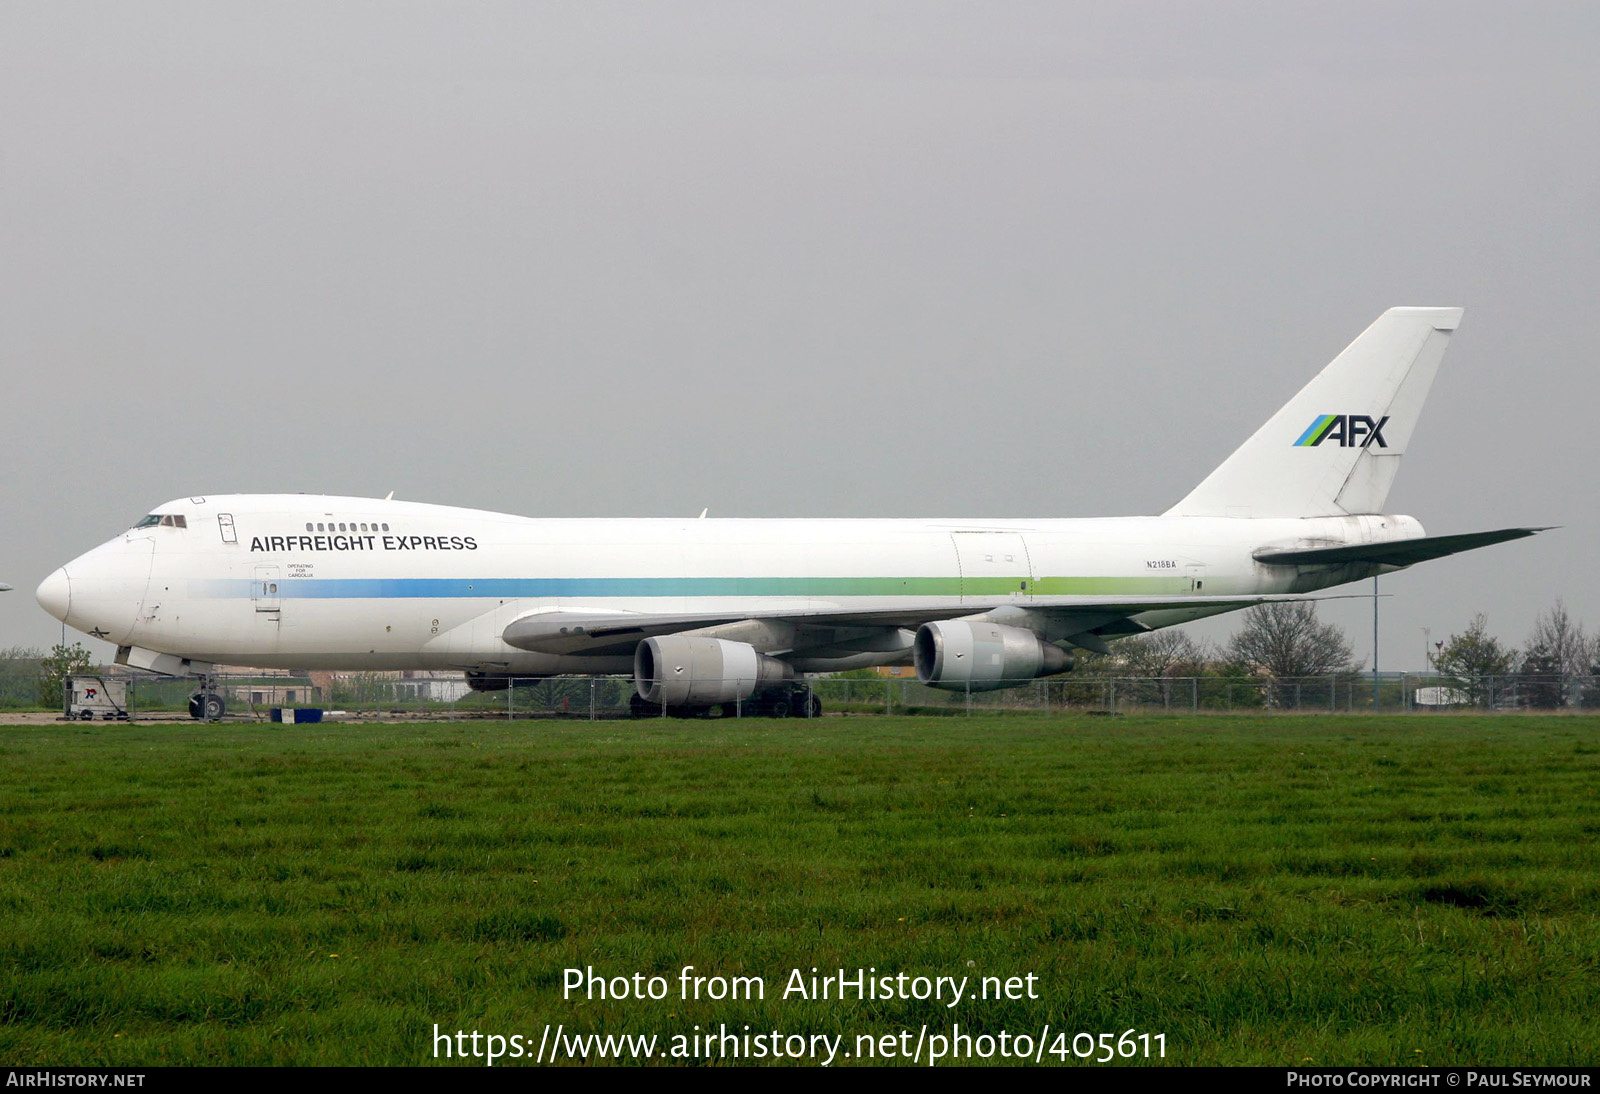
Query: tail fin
(1335, 447)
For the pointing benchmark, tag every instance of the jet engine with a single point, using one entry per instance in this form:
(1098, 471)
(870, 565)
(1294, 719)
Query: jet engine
(962, 654)
(688, 670)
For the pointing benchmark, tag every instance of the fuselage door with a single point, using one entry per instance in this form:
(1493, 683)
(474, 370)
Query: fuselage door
(265, 591)
(994, 566)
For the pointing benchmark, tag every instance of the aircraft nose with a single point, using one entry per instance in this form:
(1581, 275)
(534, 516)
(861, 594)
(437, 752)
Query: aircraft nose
(55, 594)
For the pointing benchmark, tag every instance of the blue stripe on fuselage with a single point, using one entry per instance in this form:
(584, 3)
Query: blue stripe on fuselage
(515, 588)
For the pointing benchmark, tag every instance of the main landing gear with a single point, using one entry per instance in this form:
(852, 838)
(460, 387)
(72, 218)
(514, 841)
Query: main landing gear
(793, 701)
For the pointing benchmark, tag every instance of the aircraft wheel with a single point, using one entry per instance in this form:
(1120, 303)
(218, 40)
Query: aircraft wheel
(779, 708)
(213, 707)
(811, 707)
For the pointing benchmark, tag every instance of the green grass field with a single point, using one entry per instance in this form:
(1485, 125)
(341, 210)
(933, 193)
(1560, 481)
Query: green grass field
(1270, 890)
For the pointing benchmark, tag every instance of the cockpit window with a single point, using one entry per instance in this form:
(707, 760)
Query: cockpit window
(165, 520)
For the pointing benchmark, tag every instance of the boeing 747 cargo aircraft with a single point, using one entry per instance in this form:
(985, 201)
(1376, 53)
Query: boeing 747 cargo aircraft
(706, 613)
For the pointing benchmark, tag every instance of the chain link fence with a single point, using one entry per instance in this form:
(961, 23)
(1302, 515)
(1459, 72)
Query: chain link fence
(368, 696)
(1391, 693)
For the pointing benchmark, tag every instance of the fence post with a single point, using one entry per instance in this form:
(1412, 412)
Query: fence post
(969, 698)
(1194, 695)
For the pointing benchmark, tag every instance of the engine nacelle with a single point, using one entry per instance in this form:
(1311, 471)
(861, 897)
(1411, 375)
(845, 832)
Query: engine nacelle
(688, 670)
(963, 654)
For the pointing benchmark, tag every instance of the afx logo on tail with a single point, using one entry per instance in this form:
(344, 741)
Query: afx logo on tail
(1350, 430)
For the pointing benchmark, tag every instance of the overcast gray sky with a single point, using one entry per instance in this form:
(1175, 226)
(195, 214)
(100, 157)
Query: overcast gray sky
(809, 259)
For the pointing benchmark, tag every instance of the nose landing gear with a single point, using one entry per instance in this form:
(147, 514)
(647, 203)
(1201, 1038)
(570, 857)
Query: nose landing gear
(207, 704)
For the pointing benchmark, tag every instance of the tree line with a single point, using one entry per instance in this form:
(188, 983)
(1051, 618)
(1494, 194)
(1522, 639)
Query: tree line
(1558, 665)
(32, 678)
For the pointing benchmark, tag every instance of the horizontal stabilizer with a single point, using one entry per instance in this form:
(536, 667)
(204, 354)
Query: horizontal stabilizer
(1404, 552)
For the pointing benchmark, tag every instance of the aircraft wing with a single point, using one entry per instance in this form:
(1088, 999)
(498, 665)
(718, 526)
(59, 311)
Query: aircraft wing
(600, 631)
(1404, 552)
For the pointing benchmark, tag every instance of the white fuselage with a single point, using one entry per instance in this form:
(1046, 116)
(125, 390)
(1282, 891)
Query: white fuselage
(314, 582)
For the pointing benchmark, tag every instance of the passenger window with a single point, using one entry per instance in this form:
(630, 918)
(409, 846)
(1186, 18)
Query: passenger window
(319, 526)
(309, 528)
(386, 527)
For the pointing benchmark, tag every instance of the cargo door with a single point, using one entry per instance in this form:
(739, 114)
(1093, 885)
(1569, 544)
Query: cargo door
(995, 568)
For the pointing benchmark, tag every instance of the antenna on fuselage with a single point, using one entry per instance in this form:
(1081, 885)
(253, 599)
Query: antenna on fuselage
(389, 496)
(704, 511)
